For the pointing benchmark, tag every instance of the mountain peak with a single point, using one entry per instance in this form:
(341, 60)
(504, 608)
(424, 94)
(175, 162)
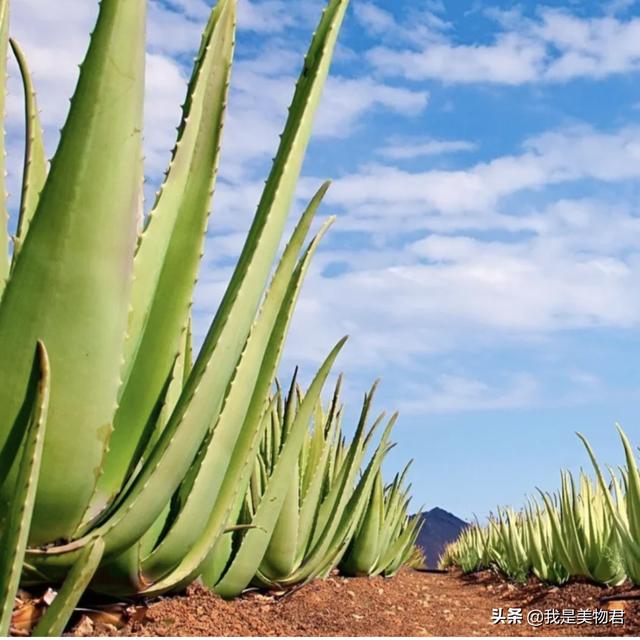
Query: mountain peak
(439, 529)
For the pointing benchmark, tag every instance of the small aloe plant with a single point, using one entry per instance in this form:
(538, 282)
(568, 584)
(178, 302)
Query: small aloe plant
(319, 505)
(385, 537)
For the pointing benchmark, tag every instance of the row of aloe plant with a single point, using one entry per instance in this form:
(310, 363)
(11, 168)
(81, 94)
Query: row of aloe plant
(129, 467)
(589, 529)
(324, 498)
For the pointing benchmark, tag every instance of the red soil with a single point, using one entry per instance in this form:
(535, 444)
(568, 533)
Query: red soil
(412, 603)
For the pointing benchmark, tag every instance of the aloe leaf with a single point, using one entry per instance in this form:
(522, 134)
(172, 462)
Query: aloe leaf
(56, 617)
(64, 288)
(216, 562)
(630, 544)
(157, 423)
(35, 161)
(400, 549)
(571, 531)
(4, 213)
(556, 530)
(311, 498)
(188, 352)
(280, 555)
(238, 475)
(633, 484)
(255, 542)
(15, 531)
(135, 514)
(336, 500)
(168, 255)
(227, 335)
(120, 575)
(219, 450)
(135, 510)
(230, 328)
(325, 558)
(335, 539)
(364, 551)
(171, 397)
(236, 481)
(240, 465)
(217, 559)
(290, 539)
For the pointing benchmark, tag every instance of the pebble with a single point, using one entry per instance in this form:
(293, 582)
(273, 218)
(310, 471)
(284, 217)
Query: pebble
(85, 627)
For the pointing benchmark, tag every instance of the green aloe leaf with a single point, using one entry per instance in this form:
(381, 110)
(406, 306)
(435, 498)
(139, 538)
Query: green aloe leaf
(633, 487)
(280, 555)
(64, 288)
(124, 527)
(311, 498)
(217, 454)
(401, 549)
(204, 392)
(348, 522)
(56, 617)
(196, 411)
(230, 328)
(4, 213)
(239, 467)
(630, 544)
(216, 561)
(254, 544)
(364, 551)
(35, 161)
(339, 495)
(168, 255)
(15, 530)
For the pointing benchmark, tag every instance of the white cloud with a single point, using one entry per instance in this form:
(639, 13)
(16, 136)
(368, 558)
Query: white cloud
(559, 265)
(276, 16)
(376, 20)
(410, 148)
(421, 24)
(556, 46)
(511, 60)
(55, 42)
(563, 264)
(552, 158)
(458, 293)
(453, 393)
(54, 37)
(594, 47)
(165, 92)
(54, 64)
(347, 99)
(185, 27)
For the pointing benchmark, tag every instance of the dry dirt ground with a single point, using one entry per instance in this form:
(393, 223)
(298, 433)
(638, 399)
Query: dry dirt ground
(411, 604)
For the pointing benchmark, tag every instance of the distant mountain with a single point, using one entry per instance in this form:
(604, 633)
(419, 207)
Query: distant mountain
(440, 527)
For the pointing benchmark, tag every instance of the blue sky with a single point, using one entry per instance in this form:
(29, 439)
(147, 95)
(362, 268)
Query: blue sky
(486, 258)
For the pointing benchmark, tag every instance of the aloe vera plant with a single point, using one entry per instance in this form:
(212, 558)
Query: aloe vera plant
(584, 534)
(319, 503)
(586, 530)
(468, 552)
(128, 465)
(385, 536)
(133, 428)
(622, 502)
